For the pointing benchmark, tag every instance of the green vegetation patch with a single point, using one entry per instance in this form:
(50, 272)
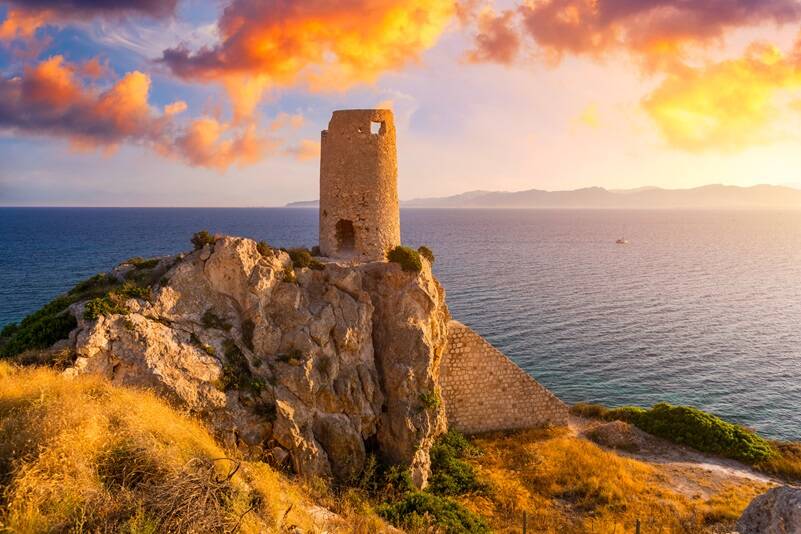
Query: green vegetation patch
(705, 432)
(408, 258)
(201, 239)
(450, 473)
(417, 510)
(264, 249)
(105, 305)
(432, 510)
(52, 322)
(302, 258)
(141, 263)
(430, 400)
(689, 426)
(236, 371)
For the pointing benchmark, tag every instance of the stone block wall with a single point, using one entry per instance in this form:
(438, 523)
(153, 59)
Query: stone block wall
(483, 390)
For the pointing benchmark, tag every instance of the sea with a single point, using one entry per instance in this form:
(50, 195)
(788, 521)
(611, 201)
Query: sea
(701, 308)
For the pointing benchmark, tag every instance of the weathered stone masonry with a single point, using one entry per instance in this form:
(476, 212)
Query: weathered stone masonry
(483, 390)
(359, 214)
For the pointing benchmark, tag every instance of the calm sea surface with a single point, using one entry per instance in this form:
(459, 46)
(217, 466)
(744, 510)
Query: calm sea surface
(701, 308)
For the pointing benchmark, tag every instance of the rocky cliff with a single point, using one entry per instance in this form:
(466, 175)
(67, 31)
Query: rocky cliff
(314, 366)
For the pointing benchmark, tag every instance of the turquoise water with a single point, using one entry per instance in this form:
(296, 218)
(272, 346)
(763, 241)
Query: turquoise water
(701, 308)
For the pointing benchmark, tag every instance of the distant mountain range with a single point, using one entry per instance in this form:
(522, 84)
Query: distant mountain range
(705, 197)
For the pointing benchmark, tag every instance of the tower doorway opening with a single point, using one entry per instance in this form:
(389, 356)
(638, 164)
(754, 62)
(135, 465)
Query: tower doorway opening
(346, 236)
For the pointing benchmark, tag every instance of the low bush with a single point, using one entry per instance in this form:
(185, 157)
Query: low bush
(430, 400)
(141, 263)
(37, 334)
(408, 258)
(689, 426)
(426, 253)
(419, 510)
(264, 249)
(450, 474)
(52, 322)
(105, 305)
(300, 257)
(703, 431)
(201, 239)
(236, 371)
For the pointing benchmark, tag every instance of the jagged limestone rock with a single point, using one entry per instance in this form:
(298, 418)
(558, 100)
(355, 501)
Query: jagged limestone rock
(314, 362)
(777, 511)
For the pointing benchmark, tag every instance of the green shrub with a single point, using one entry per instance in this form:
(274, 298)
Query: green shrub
(201, 239)
(52, 322)
(141, 263)
(300, 257)
(133, 291)
(427, 254)
(419, 510)
(264, 249)
(430, 400)
(236, 371)
(450, 474)
(289, 276)
(105, 305)
(37, 334)
(689, 426)
(705, 432)
(97, 284)
(315, 251)
(408, 258)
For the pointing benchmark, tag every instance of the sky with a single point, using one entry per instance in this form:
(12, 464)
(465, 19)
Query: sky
(221, 103)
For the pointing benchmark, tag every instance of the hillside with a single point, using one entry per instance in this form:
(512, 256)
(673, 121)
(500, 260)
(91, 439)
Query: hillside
(705, 197)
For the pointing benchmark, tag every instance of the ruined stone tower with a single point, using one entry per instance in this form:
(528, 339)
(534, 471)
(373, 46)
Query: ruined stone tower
(359, 215)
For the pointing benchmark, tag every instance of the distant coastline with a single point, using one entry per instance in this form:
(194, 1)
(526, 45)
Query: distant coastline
(704, 197)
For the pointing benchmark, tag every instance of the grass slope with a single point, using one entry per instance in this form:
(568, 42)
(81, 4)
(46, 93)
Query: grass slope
(81, 455)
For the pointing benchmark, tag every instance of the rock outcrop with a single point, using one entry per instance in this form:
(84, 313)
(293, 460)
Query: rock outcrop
(309, 364)
(777, 511)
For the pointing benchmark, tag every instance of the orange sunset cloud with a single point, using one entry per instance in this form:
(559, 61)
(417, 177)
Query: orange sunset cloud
(728, 105)
(323, 44)
(50, 99)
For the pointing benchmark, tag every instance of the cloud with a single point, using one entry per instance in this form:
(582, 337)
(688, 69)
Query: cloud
(174, 108)
(203, 145)
(284, 120)
(24, 17)
(20, 24)
(497, 40)
(323, 44)
(90, 8)
(726, 106)
(50, 99)
(656, 29)
(306, 150)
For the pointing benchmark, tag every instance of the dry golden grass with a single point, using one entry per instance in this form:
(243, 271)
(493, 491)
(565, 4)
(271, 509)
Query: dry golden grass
(568, 484)
(786, 464)
(85, 456)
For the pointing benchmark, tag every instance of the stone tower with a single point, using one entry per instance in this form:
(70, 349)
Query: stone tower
(359, 214)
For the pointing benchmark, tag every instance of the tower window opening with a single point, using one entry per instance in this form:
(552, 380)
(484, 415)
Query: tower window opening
(346, 236)
(376, 127)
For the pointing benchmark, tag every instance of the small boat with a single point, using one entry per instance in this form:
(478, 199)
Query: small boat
(622, 241)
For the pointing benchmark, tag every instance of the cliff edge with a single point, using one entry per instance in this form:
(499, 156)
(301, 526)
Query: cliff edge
(308, 365)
